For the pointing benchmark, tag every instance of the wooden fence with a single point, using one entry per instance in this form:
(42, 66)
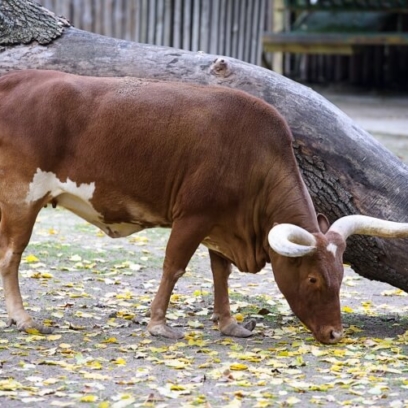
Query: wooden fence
(227, 27)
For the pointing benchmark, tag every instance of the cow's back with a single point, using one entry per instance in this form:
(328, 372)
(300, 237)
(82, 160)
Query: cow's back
(150, 149)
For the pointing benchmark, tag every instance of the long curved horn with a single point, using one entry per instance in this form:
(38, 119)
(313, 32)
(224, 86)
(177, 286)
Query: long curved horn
(364, 225)
(291, 240)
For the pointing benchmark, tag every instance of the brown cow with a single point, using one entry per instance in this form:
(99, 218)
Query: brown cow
(214, 164)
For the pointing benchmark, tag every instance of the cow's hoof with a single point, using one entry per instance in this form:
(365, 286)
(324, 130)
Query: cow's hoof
(36, 327)
(236, 330)
(31, 327)
(165, 331)
(250, 325)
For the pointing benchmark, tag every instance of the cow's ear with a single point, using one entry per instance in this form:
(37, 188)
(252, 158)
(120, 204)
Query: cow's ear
(323, 222)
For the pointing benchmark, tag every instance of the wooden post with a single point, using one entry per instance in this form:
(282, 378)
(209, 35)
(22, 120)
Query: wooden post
(278, 21)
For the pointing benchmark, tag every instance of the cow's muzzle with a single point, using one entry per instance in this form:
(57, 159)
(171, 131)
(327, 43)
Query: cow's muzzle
(329, 335)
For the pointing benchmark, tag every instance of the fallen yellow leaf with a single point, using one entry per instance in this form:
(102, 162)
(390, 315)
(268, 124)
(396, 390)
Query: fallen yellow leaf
(31, 258)
(65, 346)
(238, 367)
(32, 331)
(119, 361)
(110, 340)
(95, 376)
(239, 317)
(347, 309)
(177, 364)
(89, 398)
(54, 337)
(176, 387)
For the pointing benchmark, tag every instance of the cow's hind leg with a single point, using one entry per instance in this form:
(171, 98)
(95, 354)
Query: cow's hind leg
(221, 269)
(15, 231)
(186, 235)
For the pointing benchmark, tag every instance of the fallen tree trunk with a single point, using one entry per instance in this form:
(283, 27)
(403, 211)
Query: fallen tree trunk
(346, 170)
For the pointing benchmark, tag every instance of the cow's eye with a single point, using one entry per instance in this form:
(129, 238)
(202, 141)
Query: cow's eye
(312, 279)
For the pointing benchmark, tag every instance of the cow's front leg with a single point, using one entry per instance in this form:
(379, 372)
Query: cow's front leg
(157, 325)
(185, 238)
(221, 269)
(15, 232)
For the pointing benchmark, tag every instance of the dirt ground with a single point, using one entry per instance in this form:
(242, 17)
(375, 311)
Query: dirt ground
(95, 293)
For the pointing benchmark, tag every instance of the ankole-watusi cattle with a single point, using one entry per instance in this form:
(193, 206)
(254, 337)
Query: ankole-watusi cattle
(214, 164)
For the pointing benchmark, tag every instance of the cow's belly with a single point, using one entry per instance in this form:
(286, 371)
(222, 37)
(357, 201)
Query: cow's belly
(86, 211)
(77, 198)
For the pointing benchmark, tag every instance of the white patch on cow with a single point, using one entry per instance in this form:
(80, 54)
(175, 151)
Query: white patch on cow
(46, 182)
(76, 198)
(332, 248)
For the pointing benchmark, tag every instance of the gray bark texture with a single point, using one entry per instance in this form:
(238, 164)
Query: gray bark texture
(346, 170)
(24, 21)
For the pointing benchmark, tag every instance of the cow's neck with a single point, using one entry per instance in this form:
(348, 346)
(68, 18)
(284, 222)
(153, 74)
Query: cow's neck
(293, 205)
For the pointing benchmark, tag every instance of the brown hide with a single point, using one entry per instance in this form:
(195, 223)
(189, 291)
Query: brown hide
(214, 164)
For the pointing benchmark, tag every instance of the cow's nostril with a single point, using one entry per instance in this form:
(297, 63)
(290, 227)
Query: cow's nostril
(335, 335)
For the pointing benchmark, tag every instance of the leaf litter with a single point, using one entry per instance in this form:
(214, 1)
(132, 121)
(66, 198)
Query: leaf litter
(95, 293)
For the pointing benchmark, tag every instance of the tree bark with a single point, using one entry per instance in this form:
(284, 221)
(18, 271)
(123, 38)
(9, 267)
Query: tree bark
(24, 21)
(346, 170)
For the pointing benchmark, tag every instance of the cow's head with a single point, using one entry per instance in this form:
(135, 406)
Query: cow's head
(308, 268)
